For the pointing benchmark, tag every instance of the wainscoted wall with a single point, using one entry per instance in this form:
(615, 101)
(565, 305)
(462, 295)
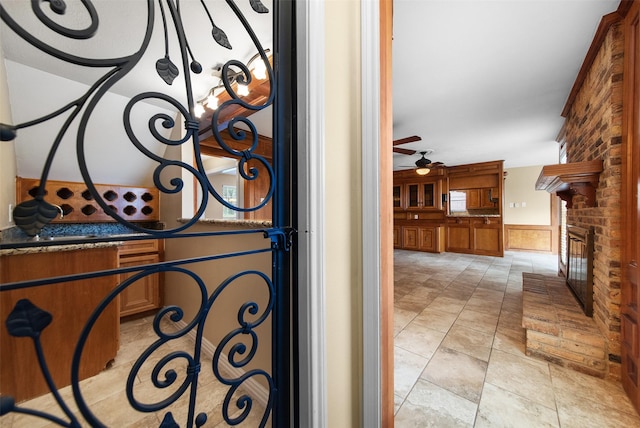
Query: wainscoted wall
(533, 238)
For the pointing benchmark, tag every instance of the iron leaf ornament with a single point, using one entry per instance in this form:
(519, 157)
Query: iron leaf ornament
(27, 320)
(220, 37)
(257, 6)
(167, 70)
(32, 215)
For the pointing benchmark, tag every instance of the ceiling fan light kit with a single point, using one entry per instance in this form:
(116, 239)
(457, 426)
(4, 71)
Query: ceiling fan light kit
(423, 165)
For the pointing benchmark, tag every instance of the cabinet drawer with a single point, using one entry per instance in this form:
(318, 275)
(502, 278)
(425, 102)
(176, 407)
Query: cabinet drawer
(139, 247)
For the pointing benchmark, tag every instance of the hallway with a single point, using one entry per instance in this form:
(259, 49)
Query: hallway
(459, 350)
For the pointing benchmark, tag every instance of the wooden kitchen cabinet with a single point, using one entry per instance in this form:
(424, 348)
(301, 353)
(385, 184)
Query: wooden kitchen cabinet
(145, 294)
(421, 238)
(475, 235)
(397, 237)
(419, 196)
(397, 197)
(459, 235)
(70, 303)
(480, 198)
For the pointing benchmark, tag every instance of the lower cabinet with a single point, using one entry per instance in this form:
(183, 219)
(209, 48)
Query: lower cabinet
(475, 235)
(71, 305)
(145, 293)
(419, 238)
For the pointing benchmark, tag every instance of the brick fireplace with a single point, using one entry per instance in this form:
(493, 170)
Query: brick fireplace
(557, 328)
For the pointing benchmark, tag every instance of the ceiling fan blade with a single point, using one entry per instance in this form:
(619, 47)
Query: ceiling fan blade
(406, 140)
(403, 151)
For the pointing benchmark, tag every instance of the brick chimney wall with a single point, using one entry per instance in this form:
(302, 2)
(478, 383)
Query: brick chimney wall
(593, 130)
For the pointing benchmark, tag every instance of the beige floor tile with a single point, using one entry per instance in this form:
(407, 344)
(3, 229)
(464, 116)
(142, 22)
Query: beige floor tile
(489, 307)
(401, 318)
(502, 409)
(510, 342)
(418, 340)
(397, 402)
(575, 412)
(456, 372)
(412, 303)
(447, 304)
(468, 341)
(523, 376)
(428, 405)
(407, 369)
(605, 392)
(435, 320)
(482, 322)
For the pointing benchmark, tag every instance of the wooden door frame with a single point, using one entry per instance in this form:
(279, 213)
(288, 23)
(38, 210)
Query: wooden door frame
(630, 213)
(377, 214)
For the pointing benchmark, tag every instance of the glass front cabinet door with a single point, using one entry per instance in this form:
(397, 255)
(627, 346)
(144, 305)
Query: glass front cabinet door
(397, 197)
(420, 195)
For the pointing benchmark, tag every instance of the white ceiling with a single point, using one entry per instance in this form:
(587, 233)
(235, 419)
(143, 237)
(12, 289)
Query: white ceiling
(478, 80)
(120, 33)
(487, 80)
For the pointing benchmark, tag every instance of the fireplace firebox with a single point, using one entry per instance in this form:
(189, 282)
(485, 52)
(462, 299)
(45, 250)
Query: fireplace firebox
(580, 266)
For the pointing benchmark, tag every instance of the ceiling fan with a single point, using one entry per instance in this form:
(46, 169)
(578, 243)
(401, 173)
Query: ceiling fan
(424, 165)
(406, 140)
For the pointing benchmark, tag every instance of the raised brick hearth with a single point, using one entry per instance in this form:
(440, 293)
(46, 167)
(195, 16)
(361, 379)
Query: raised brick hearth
(557, 329)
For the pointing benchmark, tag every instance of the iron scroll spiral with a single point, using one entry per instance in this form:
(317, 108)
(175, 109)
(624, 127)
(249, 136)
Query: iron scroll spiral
(33, 214)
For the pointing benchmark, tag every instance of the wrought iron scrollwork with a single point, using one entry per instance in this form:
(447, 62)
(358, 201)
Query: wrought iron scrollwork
(233, 360)
(27, 320)
(32, 215)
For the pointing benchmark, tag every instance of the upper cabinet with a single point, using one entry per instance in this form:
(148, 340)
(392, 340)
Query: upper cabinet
(419, 195)
(476, 189)
(415, 195)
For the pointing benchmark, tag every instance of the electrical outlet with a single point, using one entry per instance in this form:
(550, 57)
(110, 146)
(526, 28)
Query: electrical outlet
(511, 204)
(524, 204)
(517, 204)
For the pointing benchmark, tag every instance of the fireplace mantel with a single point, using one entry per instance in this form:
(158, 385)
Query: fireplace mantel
(567, 179)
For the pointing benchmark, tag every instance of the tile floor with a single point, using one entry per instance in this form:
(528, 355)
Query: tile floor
(105, 394)
(459, 351)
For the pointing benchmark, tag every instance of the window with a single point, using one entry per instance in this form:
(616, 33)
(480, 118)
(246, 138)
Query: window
(229, 194)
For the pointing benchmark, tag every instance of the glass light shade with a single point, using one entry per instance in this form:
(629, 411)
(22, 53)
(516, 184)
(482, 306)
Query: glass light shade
(260, 70)
(422, 171)
(243, 90)
(198, 110)
(212, 102)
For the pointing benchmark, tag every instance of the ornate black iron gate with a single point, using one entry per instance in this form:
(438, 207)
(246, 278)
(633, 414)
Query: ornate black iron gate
(234, 133)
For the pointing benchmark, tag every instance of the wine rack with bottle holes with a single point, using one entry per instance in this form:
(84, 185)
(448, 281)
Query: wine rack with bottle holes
(79, 205)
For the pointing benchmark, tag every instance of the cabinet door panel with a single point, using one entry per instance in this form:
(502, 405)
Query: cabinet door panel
(428, 200)
(144, 294)
(410, 238)
(459, 237)
(397, 197)
(397, 237)
(413, 194)
(428, 239)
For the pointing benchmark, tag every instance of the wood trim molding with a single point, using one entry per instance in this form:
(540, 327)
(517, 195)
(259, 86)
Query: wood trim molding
(603, 28)
(567, 179)
(209, 146)
(386, 214)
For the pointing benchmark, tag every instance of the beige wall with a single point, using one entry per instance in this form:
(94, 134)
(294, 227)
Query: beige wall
(519, 188)
(7, 153)
(181, 290)
(343, 213)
